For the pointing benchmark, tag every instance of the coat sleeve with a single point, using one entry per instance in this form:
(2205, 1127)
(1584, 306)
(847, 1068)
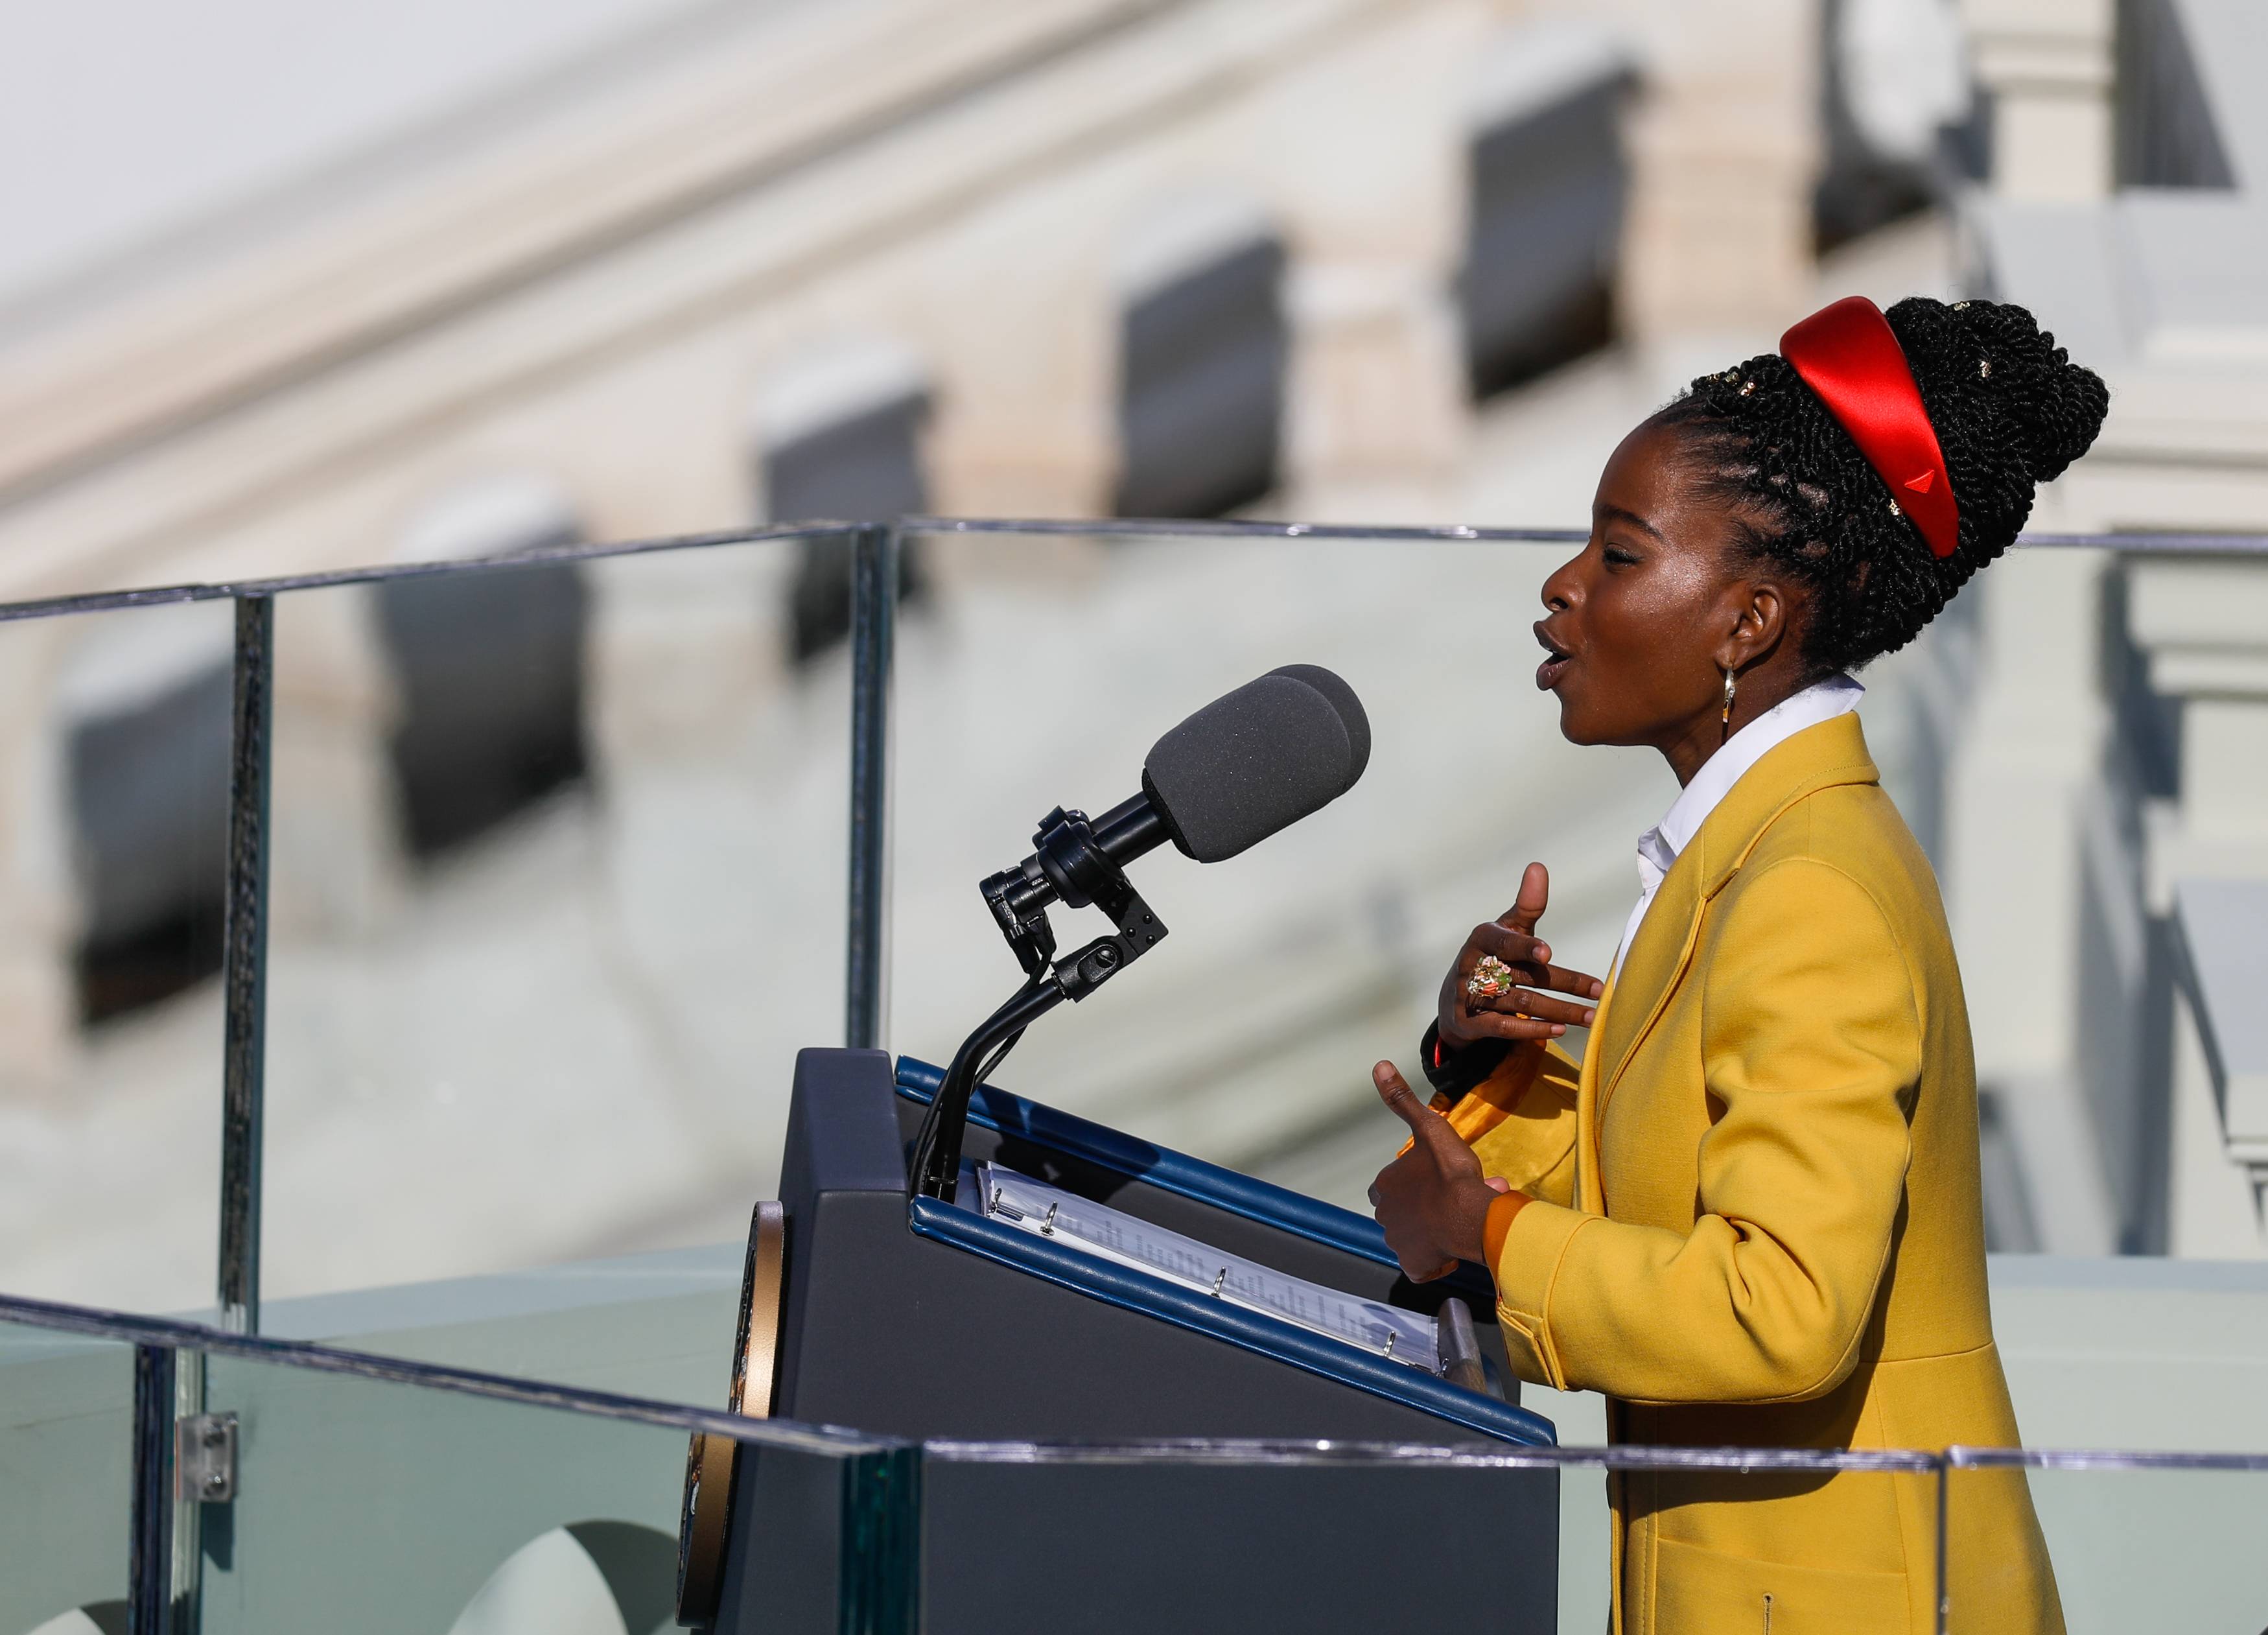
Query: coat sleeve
(1811, 1042)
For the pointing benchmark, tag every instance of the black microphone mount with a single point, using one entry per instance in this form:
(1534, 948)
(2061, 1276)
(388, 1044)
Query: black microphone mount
(1249, 762)
(1076, 861)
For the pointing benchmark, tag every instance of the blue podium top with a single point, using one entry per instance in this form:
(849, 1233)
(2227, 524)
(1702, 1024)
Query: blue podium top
(1258, 1201)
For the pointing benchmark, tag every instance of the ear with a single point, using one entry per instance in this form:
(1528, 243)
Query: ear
(1762, 612)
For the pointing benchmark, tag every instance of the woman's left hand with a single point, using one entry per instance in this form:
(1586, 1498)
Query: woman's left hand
(1432, 1201)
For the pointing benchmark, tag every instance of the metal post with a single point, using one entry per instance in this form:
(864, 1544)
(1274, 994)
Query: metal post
(876, 550)
(150, 1542)
(1944, 1545)
(879, 1583)
(244, 968)
(189, 1513)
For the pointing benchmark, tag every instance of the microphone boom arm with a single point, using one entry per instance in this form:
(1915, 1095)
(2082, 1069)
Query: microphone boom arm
(1074, 860)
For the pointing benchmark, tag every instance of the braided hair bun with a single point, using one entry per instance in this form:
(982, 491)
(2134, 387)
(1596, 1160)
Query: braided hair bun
(2011, 411)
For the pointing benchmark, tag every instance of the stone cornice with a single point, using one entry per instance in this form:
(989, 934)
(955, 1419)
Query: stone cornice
(766, 102)
(175, 429)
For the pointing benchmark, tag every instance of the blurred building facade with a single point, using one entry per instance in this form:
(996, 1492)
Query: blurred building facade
(1051, 260)
(1337, 259)
(2123, 798)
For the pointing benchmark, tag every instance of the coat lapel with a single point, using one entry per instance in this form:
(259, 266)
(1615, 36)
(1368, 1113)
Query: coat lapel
(1833, 752)
(1588, 1198)
(1657, 958)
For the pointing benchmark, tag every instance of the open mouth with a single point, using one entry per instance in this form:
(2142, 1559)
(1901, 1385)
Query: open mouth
(1556, 659)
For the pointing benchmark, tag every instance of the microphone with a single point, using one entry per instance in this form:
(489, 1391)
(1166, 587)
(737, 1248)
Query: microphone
(1260, 759)
(1250, 763)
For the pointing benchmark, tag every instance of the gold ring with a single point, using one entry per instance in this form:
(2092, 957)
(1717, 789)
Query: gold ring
(1490, 977)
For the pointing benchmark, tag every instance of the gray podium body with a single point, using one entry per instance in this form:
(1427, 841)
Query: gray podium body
(931, 1322)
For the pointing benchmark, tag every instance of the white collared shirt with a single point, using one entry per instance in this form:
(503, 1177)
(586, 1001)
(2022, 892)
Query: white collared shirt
(1660, 846)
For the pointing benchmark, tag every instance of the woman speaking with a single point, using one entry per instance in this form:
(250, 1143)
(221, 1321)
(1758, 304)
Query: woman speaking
(1751, 1215)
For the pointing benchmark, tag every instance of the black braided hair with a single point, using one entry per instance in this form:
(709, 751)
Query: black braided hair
(2011, 411)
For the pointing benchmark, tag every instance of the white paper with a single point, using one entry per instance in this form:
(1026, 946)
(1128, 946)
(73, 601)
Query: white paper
(1034, 1206)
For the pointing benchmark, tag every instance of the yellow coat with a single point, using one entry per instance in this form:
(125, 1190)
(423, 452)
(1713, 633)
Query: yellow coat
(1761, 1225)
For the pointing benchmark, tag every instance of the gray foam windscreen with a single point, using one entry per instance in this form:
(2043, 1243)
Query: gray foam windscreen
(1257, 760)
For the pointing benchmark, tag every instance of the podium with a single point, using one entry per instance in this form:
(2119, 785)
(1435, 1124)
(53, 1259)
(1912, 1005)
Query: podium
(933, 1320)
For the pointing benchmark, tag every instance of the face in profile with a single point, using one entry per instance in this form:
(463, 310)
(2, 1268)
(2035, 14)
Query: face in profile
(1639, 625)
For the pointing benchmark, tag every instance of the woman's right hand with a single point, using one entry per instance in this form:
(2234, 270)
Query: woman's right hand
(1525, 1013)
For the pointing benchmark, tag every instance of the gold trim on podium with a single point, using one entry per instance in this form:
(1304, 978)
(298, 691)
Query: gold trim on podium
(707, 1507)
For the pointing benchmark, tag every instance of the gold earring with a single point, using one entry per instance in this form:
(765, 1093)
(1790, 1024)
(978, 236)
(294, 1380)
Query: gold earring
(1725, 720)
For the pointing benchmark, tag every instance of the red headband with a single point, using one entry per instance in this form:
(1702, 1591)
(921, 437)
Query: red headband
(1848, 355)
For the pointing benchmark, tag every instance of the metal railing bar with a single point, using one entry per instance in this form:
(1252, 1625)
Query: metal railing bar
(877, 554)
(2154, 544)
(2096, 1459)
(244, 966)
(149, 1533)
(1619, 1456)
(1238, 528)
(1231, 527)
(174, 1334)
(105, 601)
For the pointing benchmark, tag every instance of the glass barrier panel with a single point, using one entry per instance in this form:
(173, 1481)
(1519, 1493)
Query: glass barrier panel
(114, 833)
(2159, 1549)
(1037, 671)
(557, 885)
(367, 1505)
(66, 1482)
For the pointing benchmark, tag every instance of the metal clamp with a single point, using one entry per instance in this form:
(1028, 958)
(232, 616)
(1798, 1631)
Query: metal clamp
(204, 1459)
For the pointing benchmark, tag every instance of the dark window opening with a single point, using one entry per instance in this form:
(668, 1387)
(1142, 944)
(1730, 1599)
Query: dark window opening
(2149, 723)
(118, 974)
(1550, 188)
(2164, 132)
(148, 788)
(1859, 193)
(1859, 189)
(864, 468)
(489, 668)
(1871, 180)
(1966, 145)
(1201, 392)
